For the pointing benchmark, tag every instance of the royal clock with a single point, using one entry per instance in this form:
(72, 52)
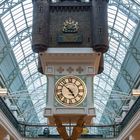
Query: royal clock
(70, 91)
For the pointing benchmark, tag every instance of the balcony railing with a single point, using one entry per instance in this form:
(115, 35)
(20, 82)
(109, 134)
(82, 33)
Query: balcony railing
(130, 114)
(96, 131)
(9, 114)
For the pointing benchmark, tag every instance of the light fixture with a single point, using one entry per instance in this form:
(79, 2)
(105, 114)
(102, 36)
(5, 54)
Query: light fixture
(3, 92)
(136, 92)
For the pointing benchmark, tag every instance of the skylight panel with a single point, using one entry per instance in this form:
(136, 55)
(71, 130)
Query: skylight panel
(39, 104)
(125, 42)
(130, 28)
(30, 87)
(107, 66)
(111, 15)
(28, 11)
(44, 80)
(40, 109)
(99, 107)
(26, 45)
(103, 83)
(27, 50)
(9, 26)
(128, 33)
(120, 56)
(18, 53)
(122, 49)
(122, 16)
(120, 21)
(18, 18)
(100, 94)
(120, 24)
(27, 4)
(108, 87)
(113, 44)
(25, 42)
(112, 9)
(113, 49)
(35, 98)
(131, 24)
(9, 29)
(17, 48)
(15, 1)
(19, 57)
(25, 73)
(106, 70)
(6, 19)
(29, 21)
(137, 1)
(118, 27)
(17, 9)
(21, 25)
(28, 16)
(32, 65)
(110, 22)
(96, 79)
(37, 83)
(12, 33)
(40, 94)
(113, 73)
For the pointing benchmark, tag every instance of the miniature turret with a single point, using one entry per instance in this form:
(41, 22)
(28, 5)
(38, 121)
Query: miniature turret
(100, 26)
(40, 30)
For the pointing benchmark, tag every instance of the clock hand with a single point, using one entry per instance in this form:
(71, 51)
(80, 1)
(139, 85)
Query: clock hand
(72, 94)
(69, 90)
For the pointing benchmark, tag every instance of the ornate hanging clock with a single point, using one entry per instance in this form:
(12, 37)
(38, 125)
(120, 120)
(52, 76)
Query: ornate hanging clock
(70, 91)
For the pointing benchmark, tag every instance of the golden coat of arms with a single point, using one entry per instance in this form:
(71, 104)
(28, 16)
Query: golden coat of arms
(70, 26)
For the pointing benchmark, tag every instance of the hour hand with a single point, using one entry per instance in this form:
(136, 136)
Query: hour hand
(72, 94)
(70, 90)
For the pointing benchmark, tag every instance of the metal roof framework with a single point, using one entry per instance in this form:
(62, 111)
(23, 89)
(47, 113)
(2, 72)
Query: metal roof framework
(123, 21)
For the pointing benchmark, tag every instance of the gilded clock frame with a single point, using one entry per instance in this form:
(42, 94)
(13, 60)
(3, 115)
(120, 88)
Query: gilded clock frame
(74, 104)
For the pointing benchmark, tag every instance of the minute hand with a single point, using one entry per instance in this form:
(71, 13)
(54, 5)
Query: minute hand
(69, 90)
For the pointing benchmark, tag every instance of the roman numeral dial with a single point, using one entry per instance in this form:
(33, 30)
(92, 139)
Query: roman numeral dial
(70, 91)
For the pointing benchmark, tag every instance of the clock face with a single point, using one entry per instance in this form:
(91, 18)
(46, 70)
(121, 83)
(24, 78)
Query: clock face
(70, 91)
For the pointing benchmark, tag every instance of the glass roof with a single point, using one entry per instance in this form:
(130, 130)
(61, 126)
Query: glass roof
(123, 18)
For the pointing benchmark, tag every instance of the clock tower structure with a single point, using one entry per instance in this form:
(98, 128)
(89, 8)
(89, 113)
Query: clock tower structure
(70, 38)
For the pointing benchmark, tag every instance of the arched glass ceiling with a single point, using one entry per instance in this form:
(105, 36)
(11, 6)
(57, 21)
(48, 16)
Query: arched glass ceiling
(123, 17)
(17, 22)
(122, 24)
